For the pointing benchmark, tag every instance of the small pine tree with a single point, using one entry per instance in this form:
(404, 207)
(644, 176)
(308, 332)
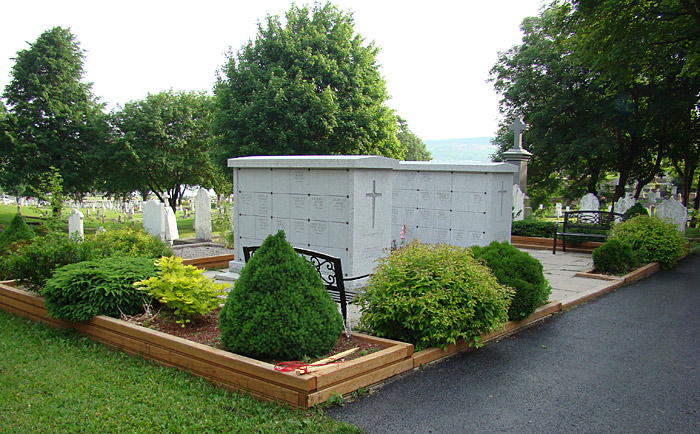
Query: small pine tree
(279, 307)
(17, 230)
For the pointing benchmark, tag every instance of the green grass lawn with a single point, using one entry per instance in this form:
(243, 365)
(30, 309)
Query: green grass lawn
(90, 224)
(55, 381)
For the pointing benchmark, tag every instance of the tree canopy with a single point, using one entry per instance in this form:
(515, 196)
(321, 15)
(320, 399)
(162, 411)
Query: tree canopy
(53, 119)
(414, 146)
(605, 88)
(306, 85)
(162, 144)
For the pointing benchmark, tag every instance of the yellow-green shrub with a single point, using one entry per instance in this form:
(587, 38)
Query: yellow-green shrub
(652, 239)
(183, 289)
(433, 295)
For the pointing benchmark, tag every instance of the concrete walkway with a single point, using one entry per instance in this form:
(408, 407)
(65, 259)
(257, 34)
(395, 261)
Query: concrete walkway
(560, 270)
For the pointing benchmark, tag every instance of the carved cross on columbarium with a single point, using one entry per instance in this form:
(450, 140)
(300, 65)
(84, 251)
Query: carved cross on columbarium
(374, 195)
(502, 192)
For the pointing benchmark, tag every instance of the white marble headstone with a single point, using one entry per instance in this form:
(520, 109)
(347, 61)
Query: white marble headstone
(589, 202)
(623, 204)
(154, 218)
(202, 215)
(171, 232)
(558, 210)
(674, 211)
(75, 223)
(518, 203)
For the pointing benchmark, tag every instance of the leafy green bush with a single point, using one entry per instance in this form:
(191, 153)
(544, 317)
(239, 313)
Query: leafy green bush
(533, 228)
(652, 239)
(129, 241)
(37, 261)
(520, 271)
(433, 295)
(279, 307)
(16, 231)
(182, 288)
(77, 292)
(635, 210)
(614, 257)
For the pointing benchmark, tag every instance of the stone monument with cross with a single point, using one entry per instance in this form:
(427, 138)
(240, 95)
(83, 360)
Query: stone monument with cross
(520, 158)
(352, 207)
(338, 205)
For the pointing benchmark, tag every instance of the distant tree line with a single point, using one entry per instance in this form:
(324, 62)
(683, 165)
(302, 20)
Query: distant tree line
(307, 84)
(606, 87)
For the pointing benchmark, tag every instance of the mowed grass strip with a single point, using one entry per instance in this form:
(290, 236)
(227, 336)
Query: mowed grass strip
(56, 381)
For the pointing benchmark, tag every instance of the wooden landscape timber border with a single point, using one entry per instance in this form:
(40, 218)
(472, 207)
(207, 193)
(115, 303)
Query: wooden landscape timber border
(237, 372)
(546, 243)
(208, 262)
(433, 354)
(223, 368)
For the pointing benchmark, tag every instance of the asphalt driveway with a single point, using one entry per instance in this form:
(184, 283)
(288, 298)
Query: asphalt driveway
(628, 362)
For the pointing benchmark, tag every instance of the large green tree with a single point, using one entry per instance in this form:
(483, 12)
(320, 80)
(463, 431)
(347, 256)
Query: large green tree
(598, 97)
(412, 144)
(162, 144)
(53, 119)
(652, 48)
(306, 85)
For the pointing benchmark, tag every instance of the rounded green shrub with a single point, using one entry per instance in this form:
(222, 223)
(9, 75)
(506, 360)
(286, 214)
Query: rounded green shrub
(614, 257)
(652, 239)
(279, 307)
(433, 295)
(129, 241)
(520, 271)
(77, 292)
(36, 262)
(634, 211)
(16, 231)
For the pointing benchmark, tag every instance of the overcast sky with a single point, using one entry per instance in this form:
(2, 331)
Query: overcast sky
(435, 56)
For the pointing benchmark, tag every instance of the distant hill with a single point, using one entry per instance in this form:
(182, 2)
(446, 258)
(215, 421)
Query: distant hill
(472, 149)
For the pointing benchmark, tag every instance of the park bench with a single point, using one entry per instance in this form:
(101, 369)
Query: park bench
(331, 271)
(588, 224)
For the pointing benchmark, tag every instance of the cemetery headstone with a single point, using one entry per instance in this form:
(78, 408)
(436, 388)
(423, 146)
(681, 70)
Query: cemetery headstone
(75, 223)
(202, 217)
(518, 203)
(623, 204)
(154, 218)
(171, 232)
(558, 210)
(589, 202)
(674, 211)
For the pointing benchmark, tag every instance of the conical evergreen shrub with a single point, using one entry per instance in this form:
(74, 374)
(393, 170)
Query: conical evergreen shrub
(17, 230)
(279, 307)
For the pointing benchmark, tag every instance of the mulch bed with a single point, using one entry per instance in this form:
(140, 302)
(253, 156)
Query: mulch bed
(204, 329)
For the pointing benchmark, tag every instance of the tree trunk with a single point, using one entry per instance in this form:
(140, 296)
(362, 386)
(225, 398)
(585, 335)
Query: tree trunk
(620, 187)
